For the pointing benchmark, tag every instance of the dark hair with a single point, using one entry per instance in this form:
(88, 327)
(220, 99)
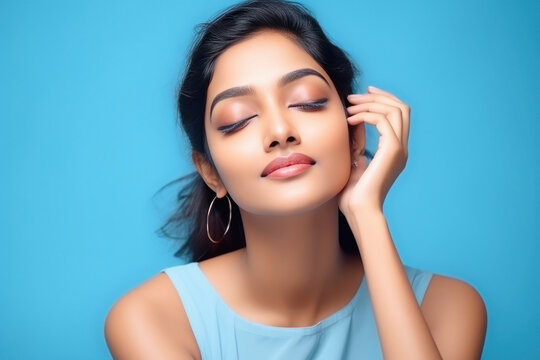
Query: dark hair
(236, 23)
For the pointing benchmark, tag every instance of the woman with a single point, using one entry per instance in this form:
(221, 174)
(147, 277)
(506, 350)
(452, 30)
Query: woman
(291, 255)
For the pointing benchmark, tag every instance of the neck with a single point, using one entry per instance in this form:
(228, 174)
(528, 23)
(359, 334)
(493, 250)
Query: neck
(294, 263)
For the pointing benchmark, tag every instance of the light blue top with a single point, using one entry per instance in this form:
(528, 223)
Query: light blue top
(349, 333)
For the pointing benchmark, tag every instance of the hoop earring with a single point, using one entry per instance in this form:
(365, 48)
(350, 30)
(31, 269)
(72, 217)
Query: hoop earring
(228, 224)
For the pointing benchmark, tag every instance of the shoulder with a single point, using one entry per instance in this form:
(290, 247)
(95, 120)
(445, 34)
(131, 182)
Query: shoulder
(149, 322)
(456, 315)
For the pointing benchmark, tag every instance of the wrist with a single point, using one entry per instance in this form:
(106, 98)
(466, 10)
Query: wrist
(361, 212)
(365, 219)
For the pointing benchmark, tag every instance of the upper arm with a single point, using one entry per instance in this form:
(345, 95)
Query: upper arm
(456, 316)
(137, 327)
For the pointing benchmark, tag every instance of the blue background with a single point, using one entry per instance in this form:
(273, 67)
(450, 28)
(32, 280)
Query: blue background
(88, 135)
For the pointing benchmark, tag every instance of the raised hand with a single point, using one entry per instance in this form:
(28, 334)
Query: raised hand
(368, 185)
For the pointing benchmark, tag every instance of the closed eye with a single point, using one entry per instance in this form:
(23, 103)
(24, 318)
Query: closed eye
(235, 126)
(311, 106)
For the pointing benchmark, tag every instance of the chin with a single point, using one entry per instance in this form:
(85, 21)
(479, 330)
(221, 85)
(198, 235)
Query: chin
(293, 199)
(297, 195)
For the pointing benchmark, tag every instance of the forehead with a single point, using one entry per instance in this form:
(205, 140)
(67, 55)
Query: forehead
(259, 60)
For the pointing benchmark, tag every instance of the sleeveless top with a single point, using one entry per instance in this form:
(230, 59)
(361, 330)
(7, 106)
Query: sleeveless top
(349, 333)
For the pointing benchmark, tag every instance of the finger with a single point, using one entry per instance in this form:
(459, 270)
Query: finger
(406, 110)
(370, 94)
(392, 113)
(375, 90)
(356, 99)
(389, 148)
(388, 137)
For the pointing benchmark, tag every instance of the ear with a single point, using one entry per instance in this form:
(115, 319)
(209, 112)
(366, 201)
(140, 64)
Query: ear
(209, 174)
(358, 140)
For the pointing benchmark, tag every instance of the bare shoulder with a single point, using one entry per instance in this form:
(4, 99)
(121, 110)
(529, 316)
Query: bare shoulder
(456, 315)
(149, 322)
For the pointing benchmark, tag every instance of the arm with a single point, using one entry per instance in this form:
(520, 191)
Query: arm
(140, 326)
(402, 329)
(405, 330)
(456, 316)
(452, 321)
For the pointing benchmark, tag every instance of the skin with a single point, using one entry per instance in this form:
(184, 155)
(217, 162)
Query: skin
(292, 271)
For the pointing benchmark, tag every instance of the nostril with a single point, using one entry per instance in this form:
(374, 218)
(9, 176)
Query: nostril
(290, 139)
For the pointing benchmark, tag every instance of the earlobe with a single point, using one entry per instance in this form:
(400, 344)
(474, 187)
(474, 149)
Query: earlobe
(208, 173)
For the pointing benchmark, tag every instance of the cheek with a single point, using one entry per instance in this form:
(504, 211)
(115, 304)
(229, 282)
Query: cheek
(332, 140)
(236, 164)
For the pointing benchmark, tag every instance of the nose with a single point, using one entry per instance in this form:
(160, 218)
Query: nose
(280, 132)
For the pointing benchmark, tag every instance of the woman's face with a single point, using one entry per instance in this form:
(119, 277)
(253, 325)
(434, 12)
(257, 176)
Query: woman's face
(259, 107)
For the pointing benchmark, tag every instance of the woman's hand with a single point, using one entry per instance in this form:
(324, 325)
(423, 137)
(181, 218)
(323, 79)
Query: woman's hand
(368, 185)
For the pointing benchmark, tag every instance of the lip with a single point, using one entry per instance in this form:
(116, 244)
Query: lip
(287, 166)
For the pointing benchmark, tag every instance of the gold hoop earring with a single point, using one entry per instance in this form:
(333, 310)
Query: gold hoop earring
(228, 224)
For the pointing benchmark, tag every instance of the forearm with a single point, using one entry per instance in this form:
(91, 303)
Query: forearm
(403, 332)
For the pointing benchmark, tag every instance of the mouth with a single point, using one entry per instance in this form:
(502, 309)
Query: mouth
(284, 167)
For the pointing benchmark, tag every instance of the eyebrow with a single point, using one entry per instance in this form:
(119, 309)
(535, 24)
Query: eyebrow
(248, 90)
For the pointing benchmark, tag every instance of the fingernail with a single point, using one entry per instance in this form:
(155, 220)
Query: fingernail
(355, 96)
(371, 87)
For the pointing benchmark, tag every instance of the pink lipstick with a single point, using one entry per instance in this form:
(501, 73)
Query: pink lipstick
(285, 167)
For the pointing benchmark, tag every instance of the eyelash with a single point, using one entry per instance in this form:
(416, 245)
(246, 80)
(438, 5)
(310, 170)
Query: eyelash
(309, 107)
(312, 106)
